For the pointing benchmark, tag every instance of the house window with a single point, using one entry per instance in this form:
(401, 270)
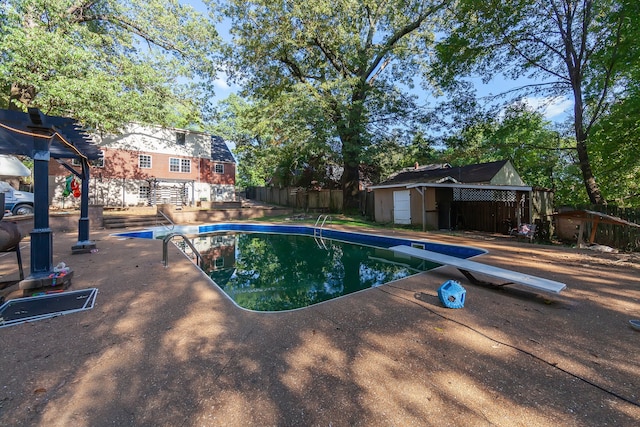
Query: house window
(181, 138)
(219, 263)
(185, 165)
(144, 192)
(179, 165)
(144, 161)
(219, 168)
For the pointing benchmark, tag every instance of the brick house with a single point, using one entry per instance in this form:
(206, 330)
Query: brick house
(150, 165)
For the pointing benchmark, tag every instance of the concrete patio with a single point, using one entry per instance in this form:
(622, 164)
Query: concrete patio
(165, 347)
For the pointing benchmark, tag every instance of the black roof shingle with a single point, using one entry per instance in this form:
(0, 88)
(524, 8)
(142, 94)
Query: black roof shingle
(480, 173)
(219, 150)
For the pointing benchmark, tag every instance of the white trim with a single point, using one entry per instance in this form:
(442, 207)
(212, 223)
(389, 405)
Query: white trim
(447, 178)
(449, 185)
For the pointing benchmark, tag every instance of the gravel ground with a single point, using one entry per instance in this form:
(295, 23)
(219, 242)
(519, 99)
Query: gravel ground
(164, 347)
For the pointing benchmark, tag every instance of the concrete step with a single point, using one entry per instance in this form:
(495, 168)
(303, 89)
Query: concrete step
(130, 221)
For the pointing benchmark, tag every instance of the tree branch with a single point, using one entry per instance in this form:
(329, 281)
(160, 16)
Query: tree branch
(132, 27)
(398, 35)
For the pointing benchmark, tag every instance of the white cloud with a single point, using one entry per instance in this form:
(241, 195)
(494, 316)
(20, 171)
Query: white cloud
(221, 84)
(550, 107)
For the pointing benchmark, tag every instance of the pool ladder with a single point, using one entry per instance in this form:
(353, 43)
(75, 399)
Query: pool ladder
(171, 225)
(165, 252)
(317, 230)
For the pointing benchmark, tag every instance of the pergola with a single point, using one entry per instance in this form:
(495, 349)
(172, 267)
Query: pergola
(42, 138)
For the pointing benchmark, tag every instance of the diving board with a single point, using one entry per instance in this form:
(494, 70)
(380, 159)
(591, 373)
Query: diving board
(466, 266)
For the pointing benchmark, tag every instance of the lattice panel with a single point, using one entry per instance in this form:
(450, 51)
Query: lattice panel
(479, 195)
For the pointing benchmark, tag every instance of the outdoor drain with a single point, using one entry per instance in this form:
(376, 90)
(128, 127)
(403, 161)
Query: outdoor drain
(41, 307)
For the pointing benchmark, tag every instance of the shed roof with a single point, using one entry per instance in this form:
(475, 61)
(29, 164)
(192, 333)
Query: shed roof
(480, 173)
(68, 139)
(594, 216)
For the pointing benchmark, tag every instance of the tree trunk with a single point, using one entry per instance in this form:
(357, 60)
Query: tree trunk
(350, 182)
(21, 94)
(351, 133)
(593, 190)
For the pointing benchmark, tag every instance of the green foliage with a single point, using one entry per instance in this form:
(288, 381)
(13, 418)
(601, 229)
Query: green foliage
(577, 48)
(276, 142)
(615, 144)
(540, 154)
(615, 139)
(107, 62)
(346, 60)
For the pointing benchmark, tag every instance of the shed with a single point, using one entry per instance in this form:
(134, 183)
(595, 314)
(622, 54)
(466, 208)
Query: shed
(484, 196)
(568, 221)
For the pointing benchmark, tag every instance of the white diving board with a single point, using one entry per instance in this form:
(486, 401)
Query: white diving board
(466, 266)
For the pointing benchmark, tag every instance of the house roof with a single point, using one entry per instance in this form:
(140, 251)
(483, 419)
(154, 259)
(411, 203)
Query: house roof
(68, 139)
(480, 173)
(219, 150)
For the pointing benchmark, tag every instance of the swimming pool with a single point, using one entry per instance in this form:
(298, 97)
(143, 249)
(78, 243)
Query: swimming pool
(284, 267)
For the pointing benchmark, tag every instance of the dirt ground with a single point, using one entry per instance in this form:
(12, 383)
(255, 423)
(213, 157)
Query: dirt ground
(165, 347)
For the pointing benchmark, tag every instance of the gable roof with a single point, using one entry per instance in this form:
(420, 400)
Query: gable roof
(219, 150)
(480, 173)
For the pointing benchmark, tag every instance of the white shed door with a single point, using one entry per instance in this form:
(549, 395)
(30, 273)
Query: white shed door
(401, 207)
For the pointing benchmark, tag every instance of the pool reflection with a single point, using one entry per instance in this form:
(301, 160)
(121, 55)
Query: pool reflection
(276, 272)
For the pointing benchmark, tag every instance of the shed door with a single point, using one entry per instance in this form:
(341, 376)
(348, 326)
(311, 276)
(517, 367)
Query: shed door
(401, 207)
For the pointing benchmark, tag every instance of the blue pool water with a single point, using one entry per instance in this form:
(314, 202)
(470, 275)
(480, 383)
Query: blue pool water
(284, 267)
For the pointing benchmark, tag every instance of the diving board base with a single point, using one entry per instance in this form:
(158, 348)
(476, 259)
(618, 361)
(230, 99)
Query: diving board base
(473, 279)
(467, 267)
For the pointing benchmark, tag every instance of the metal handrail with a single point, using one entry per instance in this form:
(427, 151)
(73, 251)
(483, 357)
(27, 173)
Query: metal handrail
(165, 252)
(326, 217)
(168, 219)
(317, 229)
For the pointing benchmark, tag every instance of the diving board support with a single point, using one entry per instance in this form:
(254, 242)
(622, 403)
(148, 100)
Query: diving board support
(466, 267)
(473, 279)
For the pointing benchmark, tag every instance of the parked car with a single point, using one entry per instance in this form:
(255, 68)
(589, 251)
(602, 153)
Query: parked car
(16, 202)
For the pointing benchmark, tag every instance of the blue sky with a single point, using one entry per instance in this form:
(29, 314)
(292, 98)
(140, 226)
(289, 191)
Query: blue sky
(556, 110)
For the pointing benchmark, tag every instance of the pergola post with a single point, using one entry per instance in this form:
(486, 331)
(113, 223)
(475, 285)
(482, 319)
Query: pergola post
(41, 237)
(42, 276)
(84, 244)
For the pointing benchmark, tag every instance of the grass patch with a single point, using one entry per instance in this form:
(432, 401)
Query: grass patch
(337, 219)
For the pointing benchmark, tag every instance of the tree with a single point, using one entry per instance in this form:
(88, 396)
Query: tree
(573, 46)
(538, 151)
(275, 141)
(350, 57)
(615, 139)
(107, 62)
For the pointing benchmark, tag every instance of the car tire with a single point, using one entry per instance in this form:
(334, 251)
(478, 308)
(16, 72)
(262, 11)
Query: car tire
(23, 210)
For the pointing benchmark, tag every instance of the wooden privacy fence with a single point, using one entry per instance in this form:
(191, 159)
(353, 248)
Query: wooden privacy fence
(309, 200)
(298, 198)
